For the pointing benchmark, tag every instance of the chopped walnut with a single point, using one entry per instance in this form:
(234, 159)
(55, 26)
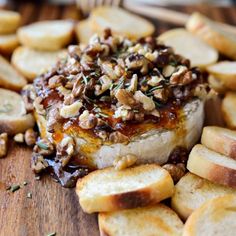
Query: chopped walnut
(124, 162)
(125, 97)
(38, 163)
(147, 102)
(176, 171)
(28, 95)
(78, 89)
(181, 77)
(133, 83)
(38, 106)
(19, 138)
(118, 137)
(65, 150)
(55, 81)
(161, 94)
(155, 80)
(30, 137)
(87, 121)
(68, 111)
(168, 70)
(3, 144)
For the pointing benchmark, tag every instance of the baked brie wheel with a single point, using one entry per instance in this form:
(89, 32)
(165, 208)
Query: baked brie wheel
(116, 97)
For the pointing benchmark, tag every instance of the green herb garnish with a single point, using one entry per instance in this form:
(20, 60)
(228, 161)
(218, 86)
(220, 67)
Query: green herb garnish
(42, 145)
(14, 188)
(52, 234)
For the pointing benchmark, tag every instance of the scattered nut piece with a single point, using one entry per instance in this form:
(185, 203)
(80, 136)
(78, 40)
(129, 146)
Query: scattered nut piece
(147, 102)
(30, 137)
(168, 70)
(38, 163)
(123, 162)
(125, 97)
(87, 121)
(118, 137)
(176, 171)
(19, 138)
(44, 147)
(3, 144)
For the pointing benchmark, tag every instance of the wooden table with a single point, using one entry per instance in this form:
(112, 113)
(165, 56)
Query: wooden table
(53, 208)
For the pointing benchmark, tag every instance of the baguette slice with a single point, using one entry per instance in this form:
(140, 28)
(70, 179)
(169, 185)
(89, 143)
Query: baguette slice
(8, 43)
(13, 117)
(31, 63)
(220, 140)
(84, 31)
(146, 221)
(212, 33)
(217, 84)
(9, 77)
(9, 21)
(46, 35)
(109, 190)
(212, 166)
(214, 218)
(228, 109)
(190, 46)
(192, 191)
(225, 71)
(121, 22)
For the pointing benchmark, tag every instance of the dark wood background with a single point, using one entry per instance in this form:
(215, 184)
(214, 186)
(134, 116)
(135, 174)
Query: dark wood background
(53, 208)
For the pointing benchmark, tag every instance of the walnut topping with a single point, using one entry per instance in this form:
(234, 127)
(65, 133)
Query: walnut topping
(87, 121)
(181, 77)
(65, 150)
(118, 137)
(124, 97)
(68, 111)
(38, 106)
(55, 81)
(177, 171)
(124, 162)
(155, 80)
(168, 70)
(44, 147)
(161, 94)
(3, 144)
(28, 95)
(147, 102)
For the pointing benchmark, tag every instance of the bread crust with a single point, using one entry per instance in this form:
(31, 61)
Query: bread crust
(8, 43)
(9, 21)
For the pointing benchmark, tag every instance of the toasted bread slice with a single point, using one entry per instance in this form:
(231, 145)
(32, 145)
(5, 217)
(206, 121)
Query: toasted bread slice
(214, 218)
(9, 21)
(31, 63)
(192, 191)
(220, 140)
(8, 43)
(121, 22)
(212, 166)
(212, 33)
(190, 46)
(84, 31)
(148, 221)
(228, 109)
(9, 77)
(13, 117)
(46, 35)
(110, 190)
(225, 71)
(217, 84)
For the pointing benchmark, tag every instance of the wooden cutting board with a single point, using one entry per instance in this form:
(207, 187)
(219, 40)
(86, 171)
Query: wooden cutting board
(53, 208)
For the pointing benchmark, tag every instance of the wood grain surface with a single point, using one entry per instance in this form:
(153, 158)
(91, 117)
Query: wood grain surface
(53, 208)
